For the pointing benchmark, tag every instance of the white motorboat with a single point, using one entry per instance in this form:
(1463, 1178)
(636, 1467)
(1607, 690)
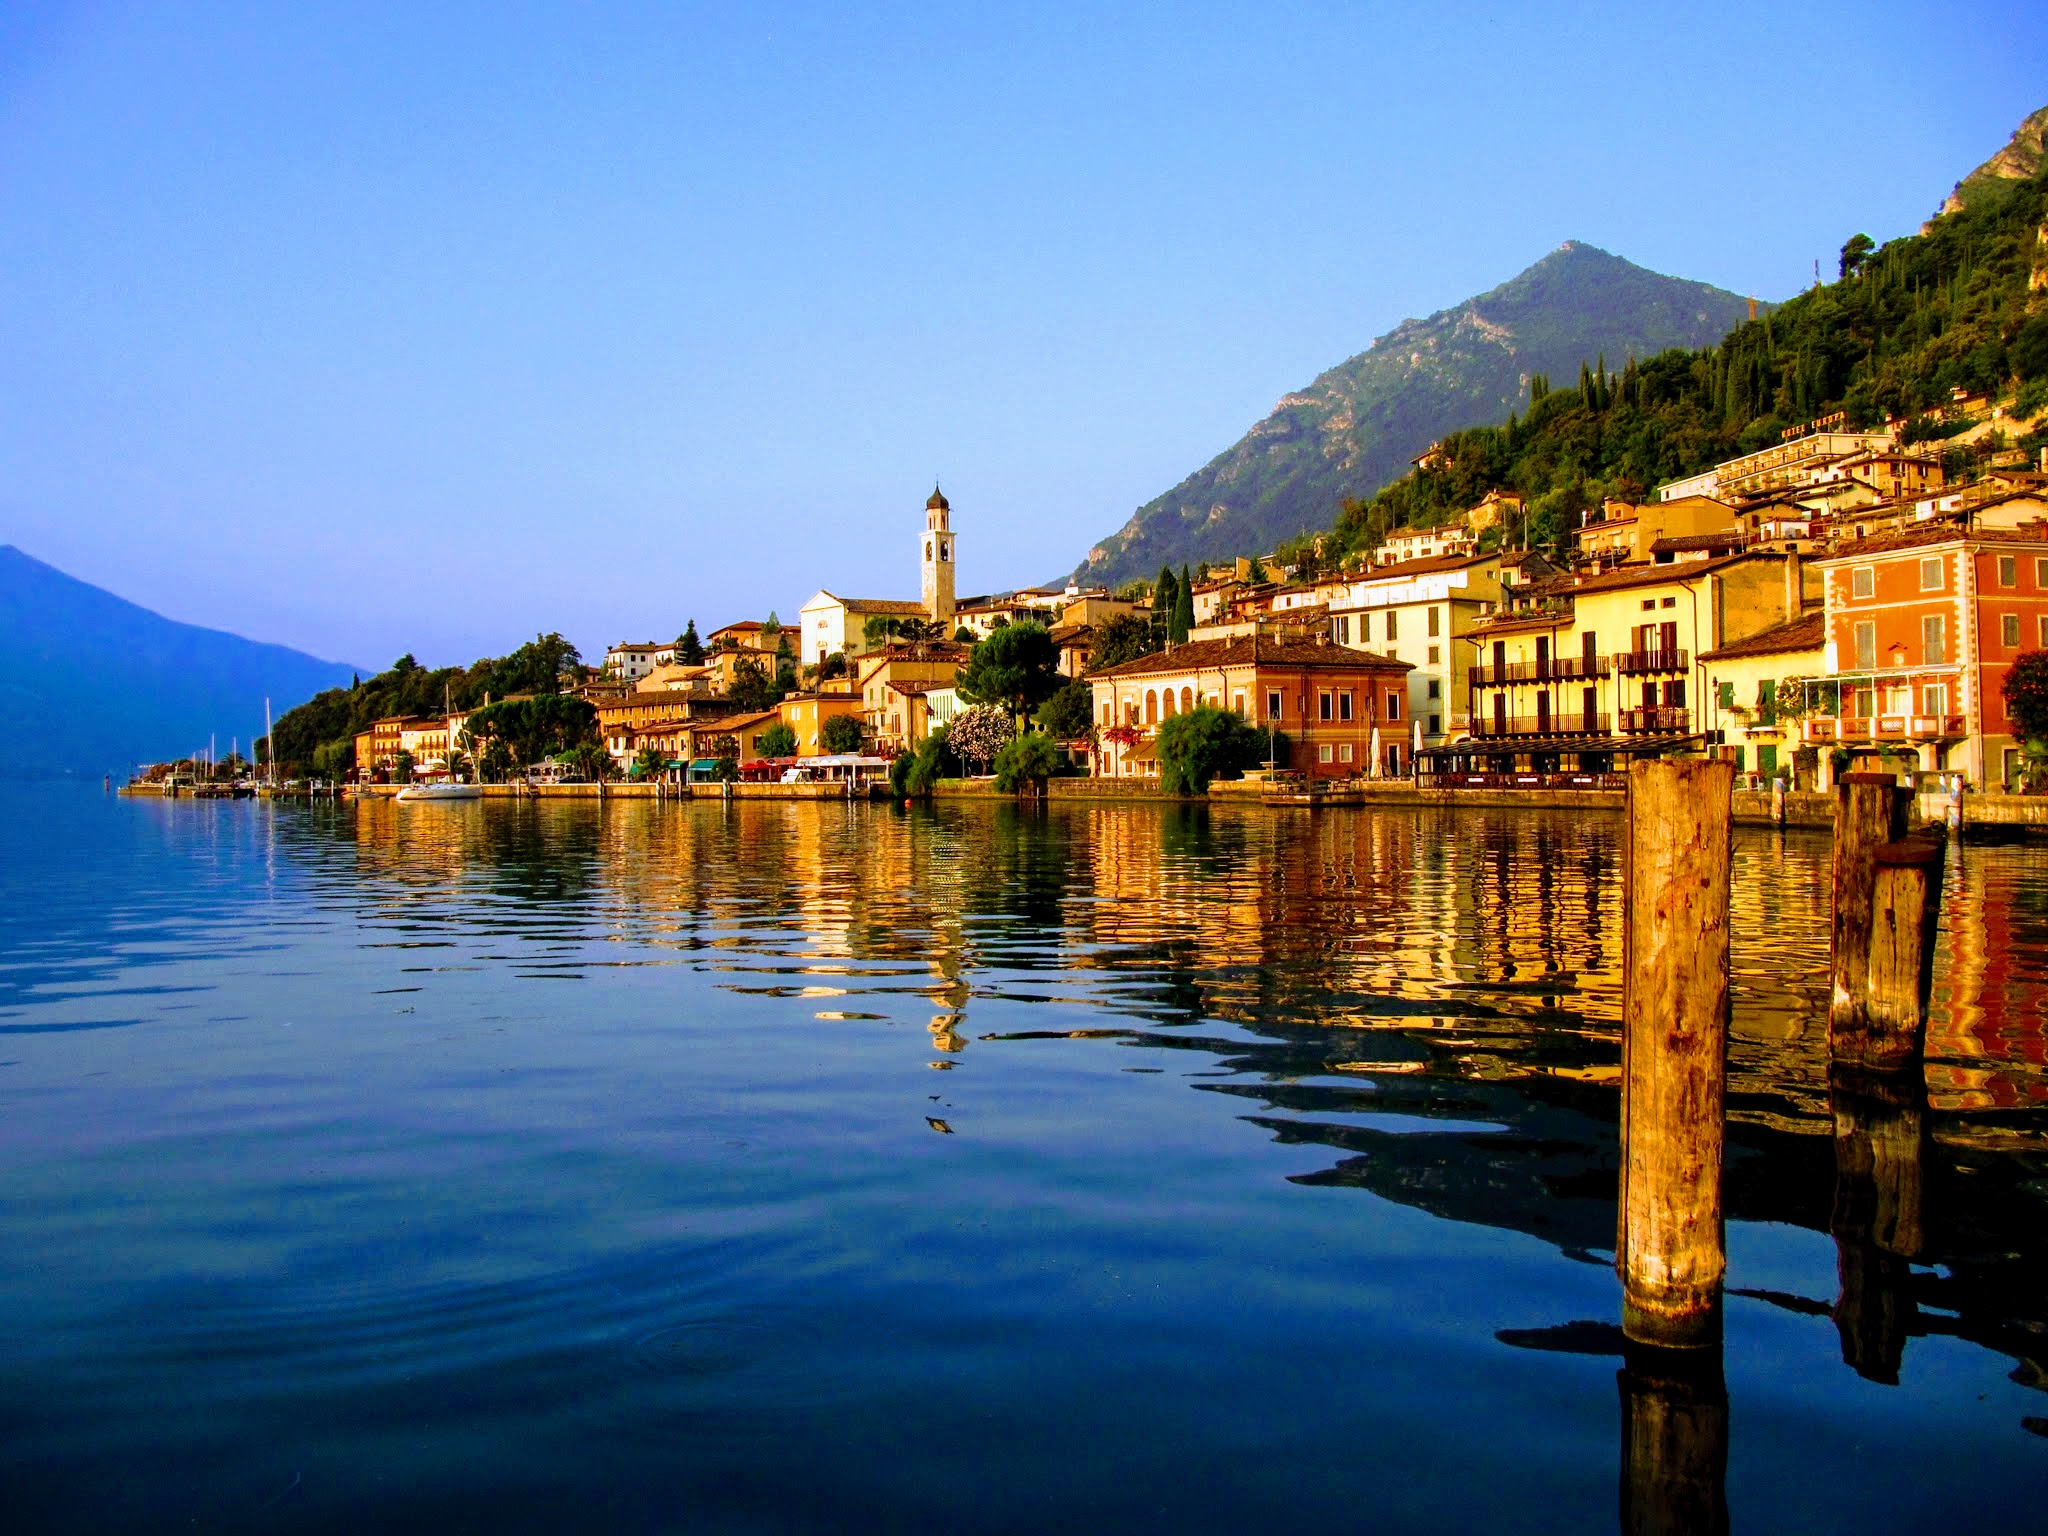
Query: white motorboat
(454, 790)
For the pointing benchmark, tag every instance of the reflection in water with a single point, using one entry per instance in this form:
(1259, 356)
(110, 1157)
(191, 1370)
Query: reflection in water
(1432, 996)
(1407, 1025)
(1674, 1443)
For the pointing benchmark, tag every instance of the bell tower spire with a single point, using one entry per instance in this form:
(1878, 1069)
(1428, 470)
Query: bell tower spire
(938, 557)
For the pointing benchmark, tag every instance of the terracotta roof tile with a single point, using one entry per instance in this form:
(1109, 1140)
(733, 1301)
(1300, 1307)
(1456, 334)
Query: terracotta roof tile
(1805, 633)
(1249, 650)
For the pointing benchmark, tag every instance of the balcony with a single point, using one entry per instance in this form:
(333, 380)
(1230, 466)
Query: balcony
(1644, 722)
(1637, 663)
(1563, 723)
(1560, 669)
(1853, 728)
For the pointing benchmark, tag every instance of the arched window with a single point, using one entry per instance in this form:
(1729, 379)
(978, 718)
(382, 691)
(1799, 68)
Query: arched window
(1187, 700)
(1166, 705)
(1151, 707)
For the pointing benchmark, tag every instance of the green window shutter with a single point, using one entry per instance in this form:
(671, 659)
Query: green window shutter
(1740, 754)
(1767, 761)
(1727, 691)
(1767, 702)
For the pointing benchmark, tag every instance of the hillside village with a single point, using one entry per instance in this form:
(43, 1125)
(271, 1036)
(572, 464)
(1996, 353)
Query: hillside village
(1827, 603)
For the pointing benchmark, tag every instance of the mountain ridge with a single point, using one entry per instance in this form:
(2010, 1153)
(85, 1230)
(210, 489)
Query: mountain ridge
(1357, 425)
(95, 683)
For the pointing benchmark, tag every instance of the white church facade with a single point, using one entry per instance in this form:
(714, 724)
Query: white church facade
(834, 624)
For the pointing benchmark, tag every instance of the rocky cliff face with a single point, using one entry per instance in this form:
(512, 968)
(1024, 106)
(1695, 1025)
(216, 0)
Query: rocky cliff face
(1356, 427)
(2020, 160)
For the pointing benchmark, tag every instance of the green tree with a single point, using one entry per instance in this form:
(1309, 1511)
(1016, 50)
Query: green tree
(1119, 638)
(689, 649)
(1199, 744)
(842, 733)
(962, 635)
(935, 760)
(778, 740)
(1258, 574)
(588, 761)
(1165, 592)
(1183, 610)
(1855, 251)
(649, 763)
(752, 689)
(494, 763)
(1069, 714)
(537, 727)
(401, 768)
(2026, 695)
(1015, 668)
(1026, 762)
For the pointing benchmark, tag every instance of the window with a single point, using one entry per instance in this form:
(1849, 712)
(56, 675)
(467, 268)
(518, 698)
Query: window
(1393, 706)
(2008, 571)
(1273, 704)
(1344, 705)
(2041, 572)
(1436, 725)
(1325, 753)
(1934, 699)
(1933, 640)
(1364, 628)
(1434, 621)
(1866, 646)
(1767, 702)
(1670, 602)
(2042, 623)
(1323, 710)
(1393, 629)
(1930, 574)
(1344, 753)
(2009, 630)
(1436, 688)
(1863, 581)
(1649, 604)
(1237, 701)
(1436, 652)
(1340, 629)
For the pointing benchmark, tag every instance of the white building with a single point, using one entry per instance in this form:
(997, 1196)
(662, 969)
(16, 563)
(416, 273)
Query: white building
(632, 661)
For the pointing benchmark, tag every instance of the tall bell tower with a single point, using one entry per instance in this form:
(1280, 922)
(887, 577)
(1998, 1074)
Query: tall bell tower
(938, 557)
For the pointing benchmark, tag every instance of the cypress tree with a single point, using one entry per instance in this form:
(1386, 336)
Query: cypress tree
(1164, 593)
(1183, 608)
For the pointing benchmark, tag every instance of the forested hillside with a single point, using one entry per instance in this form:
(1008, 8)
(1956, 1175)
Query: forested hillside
(318, 736)
(1902, 327)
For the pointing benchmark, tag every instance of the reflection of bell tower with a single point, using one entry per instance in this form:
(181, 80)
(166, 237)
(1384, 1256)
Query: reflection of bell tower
(938, 558)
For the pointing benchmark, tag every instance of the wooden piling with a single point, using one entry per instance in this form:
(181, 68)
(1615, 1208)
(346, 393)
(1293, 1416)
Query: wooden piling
(1674, 1069)
(1883, 1025)
(1869, 812)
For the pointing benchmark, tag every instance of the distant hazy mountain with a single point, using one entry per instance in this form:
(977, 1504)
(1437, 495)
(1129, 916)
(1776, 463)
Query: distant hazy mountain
(92, 684)
(1355, 428)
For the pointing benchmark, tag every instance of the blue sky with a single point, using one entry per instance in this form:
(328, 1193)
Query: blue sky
(371, 328)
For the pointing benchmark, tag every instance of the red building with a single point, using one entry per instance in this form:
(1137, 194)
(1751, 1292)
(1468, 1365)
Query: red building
(1345, 711)
(1922, 626)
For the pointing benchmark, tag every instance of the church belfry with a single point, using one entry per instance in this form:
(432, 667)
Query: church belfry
(938, 557)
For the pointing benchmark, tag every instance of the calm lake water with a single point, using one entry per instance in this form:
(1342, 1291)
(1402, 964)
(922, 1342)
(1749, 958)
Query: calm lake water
(495, 1168)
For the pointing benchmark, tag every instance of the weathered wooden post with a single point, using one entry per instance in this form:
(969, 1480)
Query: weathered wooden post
(1882, 1024)
(1777, 802)
(1674, 1443)
(1674, 1051)
(1868, 814)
